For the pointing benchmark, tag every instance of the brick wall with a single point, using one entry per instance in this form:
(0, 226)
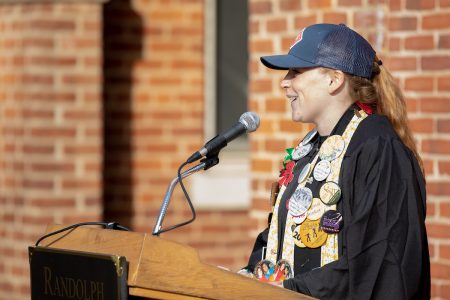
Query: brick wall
(50, 129)
(413, 40)
(154, 121)
(56, 98)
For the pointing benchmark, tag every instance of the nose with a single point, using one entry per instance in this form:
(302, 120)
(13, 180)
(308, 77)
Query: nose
(286, 82)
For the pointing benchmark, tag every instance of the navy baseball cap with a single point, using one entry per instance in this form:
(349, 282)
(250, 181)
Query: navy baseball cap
(327, 45)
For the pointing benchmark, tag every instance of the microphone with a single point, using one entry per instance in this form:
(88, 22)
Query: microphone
(248, 122)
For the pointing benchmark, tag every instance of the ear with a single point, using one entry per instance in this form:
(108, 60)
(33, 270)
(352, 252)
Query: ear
(336, 81)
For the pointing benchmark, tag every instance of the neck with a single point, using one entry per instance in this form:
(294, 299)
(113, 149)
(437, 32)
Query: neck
(329, 118)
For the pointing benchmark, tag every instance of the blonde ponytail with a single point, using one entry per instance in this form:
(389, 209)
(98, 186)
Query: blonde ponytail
(385, 97)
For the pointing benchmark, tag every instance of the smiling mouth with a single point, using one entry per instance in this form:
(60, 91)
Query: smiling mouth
(292, 98)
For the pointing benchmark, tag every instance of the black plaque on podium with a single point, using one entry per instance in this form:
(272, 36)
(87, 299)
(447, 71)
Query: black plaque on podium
(65, 274)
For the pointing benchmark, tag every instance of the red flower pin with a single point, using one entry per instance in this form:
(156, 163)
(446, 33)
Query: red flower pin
(286, 175)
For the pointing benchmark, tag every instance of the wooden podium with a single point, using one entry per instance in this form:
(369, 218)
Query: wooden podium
(162, 269)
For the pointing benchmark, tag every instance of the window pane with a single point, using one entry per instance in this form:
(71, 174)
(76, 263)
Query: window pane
(232, 58)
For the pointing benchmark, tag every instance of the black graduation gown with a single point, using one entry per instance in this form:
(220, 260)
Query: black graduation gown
(383, 248)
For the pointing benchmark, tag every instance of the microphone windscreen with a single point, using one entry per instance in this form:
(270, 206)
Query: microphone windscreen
(250, 120)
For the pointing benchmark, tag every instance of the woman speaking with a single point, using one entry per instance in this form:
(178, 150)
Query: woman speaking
(349, 216)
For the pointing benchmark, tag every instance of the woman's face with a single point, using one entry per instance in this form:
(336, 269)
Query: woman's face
(307, 90)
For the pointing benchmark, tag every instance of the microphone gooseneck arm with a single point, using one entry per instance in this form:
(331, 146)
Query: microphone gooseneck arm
(204, 164)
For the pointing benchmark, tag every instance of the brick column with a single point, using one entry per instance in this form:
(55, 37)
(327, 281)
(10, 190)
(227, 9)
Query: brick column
(50, 126)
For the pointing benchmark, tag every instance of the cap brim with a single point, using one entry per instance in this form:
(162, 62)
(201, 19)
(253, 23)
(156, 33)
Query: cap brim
(285, 62)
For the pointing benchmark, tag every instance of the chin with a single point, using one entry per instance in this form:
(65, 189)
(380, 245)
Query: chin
(297, 118)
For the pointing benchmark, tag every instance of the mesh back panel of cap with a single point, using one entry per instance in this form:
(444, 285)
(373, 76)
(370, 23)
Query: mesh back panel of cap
(345, 50)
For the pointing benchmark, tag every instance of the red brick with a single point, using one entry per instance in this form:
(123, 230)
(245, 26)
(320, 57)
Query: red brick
(37, 220)
(434, 290)
(261, 205)
(274, 145)
(37, 8)
(276, 25)
(160, 147)
(38, 184)
(290, 5)
(422, 125)
(53, 132)
(302, 22)
(420, 4)
(253, 26)
(419, 42)
(445, 290)
(436, 21)
(38, 42)
(80, 184)
(440, 188)
(394, 44)
(444, 83)
(220, 229)
(445, 212)
(51, 25)
(440, 270)
(53, 202)
(364, 19)
(431, 209)
(419, 83)
(166, 16)
(319, 3)
(53, 61)
(335, 18)
(52, 167)
(444, 3)
(349, 3)
(399, 63)
(262, 85)
(443, 125)
(147, 132)
(395, 5)
(30, 79)
(68, 97)
(13, 131)
(181, 31)
(438, 230)
(164, 47)
(261, 165)
(402, 23)
(436, 146)
(261, 46)
(266, 126)
(260, 7)
(38, 114)
(290, 126)
(436, 62)
(81, 115)
(286, 43)
(444, 41)
(194, 132)
(81, 79)
(444, 167)
(275, 105)
(162, 81)
(435, 105)
(186, 64)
